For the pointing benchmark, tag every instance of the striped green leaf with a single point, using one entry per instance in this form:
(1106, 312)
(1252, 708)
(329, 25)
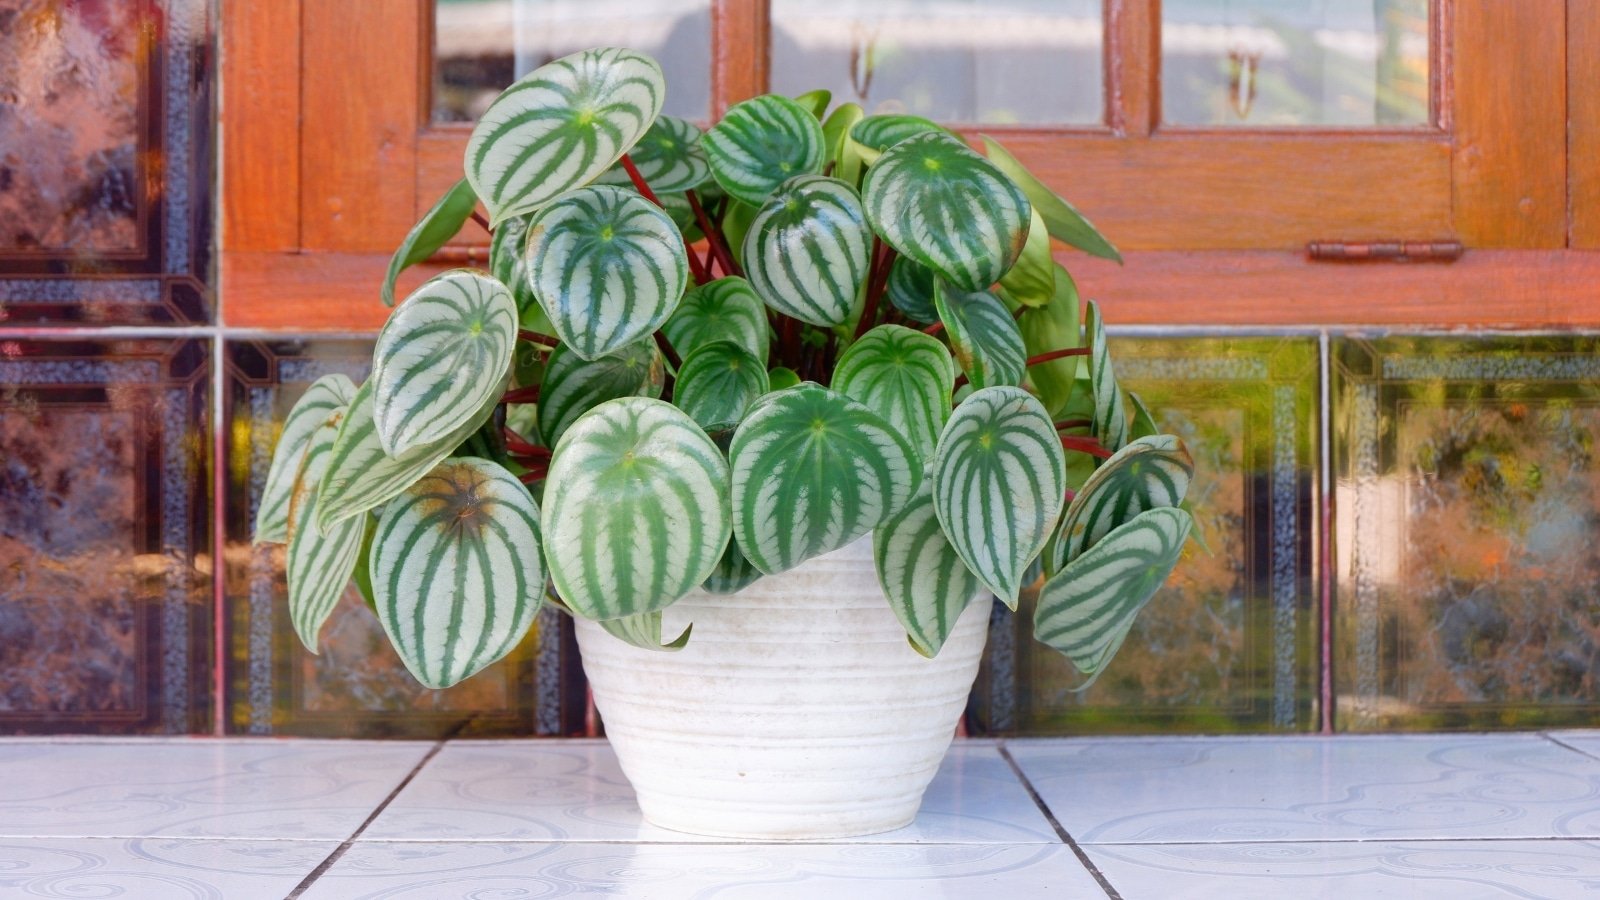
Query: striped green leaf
(911, 290)
(456, 570)
(1110, 415)
(836, 140)
(983, 336)
(922, 576)
(1149, 473)
(437, 226)
(807, 250)
(635, 509)
(573, 385)
(723, 310)
(1053, 326)
(668, 157)
(507, 266)
(560, 126)
(733, 573)
(607, 265)
(644, 631)
(812, 471)
(880, 132)
(321, 560)
(760, 144)
(1062, 219)
(944, 206)
(1031, 281)
(905, 377)
(325, 396)
(440, 356)
(717, 383)
(999, 480)
(1086, 609)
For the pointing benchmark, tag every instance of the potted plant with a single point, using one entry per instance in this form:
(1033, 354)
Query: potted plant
(809, 382)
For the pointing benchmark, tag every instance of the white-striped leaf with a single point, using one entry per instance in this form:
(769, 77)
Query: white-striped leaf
(1086, 609)
(1062, 219)
(723, 310)
(999, 480)
(437, 226)
(807, 251)
(911, 290)
(560, 126)
(983, 336)
(607, 265)
(733, 573)
(440, 356)
(457, 574)
(1031, 281)
(573, 385)
(1110, 415)
(668, 158)
(1053, 326)
(922, 576)
(1149, 473)
(635, 509)
(320, 561)
(717, 383)
(905, 377)
(880, 132)
(944, 206)
(323, 398)
(812, 471)
(760, 144)
(644, 631)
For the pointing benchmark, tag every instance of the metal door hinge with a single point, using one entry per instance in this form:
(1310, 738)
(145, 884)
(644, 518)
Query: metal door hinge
(1397, 251)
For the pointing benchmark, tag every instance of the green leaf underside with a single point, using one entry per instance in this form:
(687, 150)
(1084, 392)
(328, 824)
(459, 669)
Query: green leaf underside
(782, 377)
(1032, 280)
(812, 471)
(806, 252)
(880, 132)
(911, 290)
(456, 570)
(437, 226)
(983, 336)
(1110, 415)
(922, 576)
(999, 478)
(1086, 609)
(560, 126)
(607, 265)
(663, 523)
(836, 139)
(733, 573)
(935, 201)
(668, 157)
(1052, 327)
(323, 398)
(815, 102)
(320, 561)
(644, 631)
(723, 310)
(760, 144)
(1149, 473)
(717, 383)
(905, 377)
(573, 385)
(1144, 424)
(1060, 217)
(507, 266)
(440, 356)
(362, 577)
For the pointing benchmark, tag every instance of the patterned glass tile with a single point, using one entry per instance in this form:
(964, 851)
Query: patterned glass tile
(105, 161)
(1467, 532)
(105, 550)
(1230, 643)
(357, 685)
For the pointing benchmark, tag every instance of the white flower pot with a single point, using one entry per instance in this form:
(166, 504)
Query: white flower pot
(798, 709)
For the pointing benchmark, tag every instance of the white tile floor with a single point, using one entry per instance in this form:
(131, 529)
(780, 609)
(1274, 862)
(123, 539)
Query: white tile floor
(1453, 816)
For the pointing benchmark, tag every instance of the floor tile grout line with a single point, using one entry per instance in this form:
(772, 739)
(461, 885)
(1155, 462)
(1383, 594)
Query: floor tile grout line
(1560, 743)
(1240, 842)
(1061, 832)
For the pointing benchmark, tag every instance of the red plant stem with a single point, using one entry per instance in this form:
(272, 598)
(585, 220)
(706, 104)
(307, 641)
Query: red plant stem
(1071, 495)
(517, 445)
(713, 234)
(667, 351)
(877, 280)
(478, 217)
(1090, 446)
(935, 328)
(789, 341)
(521, 395)
(534, 337)
(1073, 423)
(711, 254)
(699, 271)
(1057, 354)
(538, 473)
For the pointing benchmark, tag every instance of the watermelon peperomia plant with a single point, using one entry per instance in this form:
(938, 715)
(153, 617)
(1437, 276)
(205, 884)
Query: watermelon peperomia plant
(715, 356)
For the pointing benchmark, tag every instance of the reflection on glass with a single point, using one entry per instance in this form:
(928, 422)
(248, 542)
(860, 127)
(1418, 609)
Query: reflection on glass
(1022, 62)
(480, 46)
(1264, 63)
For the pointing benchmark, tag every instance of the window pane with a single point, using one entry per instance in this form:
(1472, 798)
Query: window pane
(1263, 63)
(480, 46)
(1023, 62)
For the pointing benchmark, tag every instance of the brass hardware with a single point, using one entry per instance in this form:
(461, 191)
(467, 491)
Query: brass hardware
(1390, 251)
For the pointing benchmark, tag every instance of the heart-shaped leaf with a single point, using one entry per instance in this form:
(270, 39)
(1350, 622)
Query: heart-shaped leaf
(440, 356)
(457, 574)
(644, 631)
(911, 290)
(437, 226)
(668, 157)
(573, 385)
(325, 396)
(983, 336)
(1047, 328)
(1149, 473)
(807, 251)
(880, 132)
(560, 126)
(1031, 281)
(717, 383)
(999, 480)
(1110, 415)
(1086, 609)
(905, 377)
(635, 509)
(321, 560)
(760, 144)
(1060, 217)
(608, 267)
(944, 206)
(812, 471)
(923, 577)
(733, 573)
(723, 310)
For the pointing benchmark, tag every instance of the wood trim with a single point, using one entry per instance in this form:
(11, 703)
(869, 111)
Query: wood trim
(260, 122)
(1583, 131)
(740, 37)
(1133, 66)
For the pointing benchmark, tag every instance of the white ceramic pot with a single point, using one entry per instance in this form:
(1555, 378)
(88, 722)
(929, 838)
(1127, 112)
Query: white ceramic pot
(797, 710)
